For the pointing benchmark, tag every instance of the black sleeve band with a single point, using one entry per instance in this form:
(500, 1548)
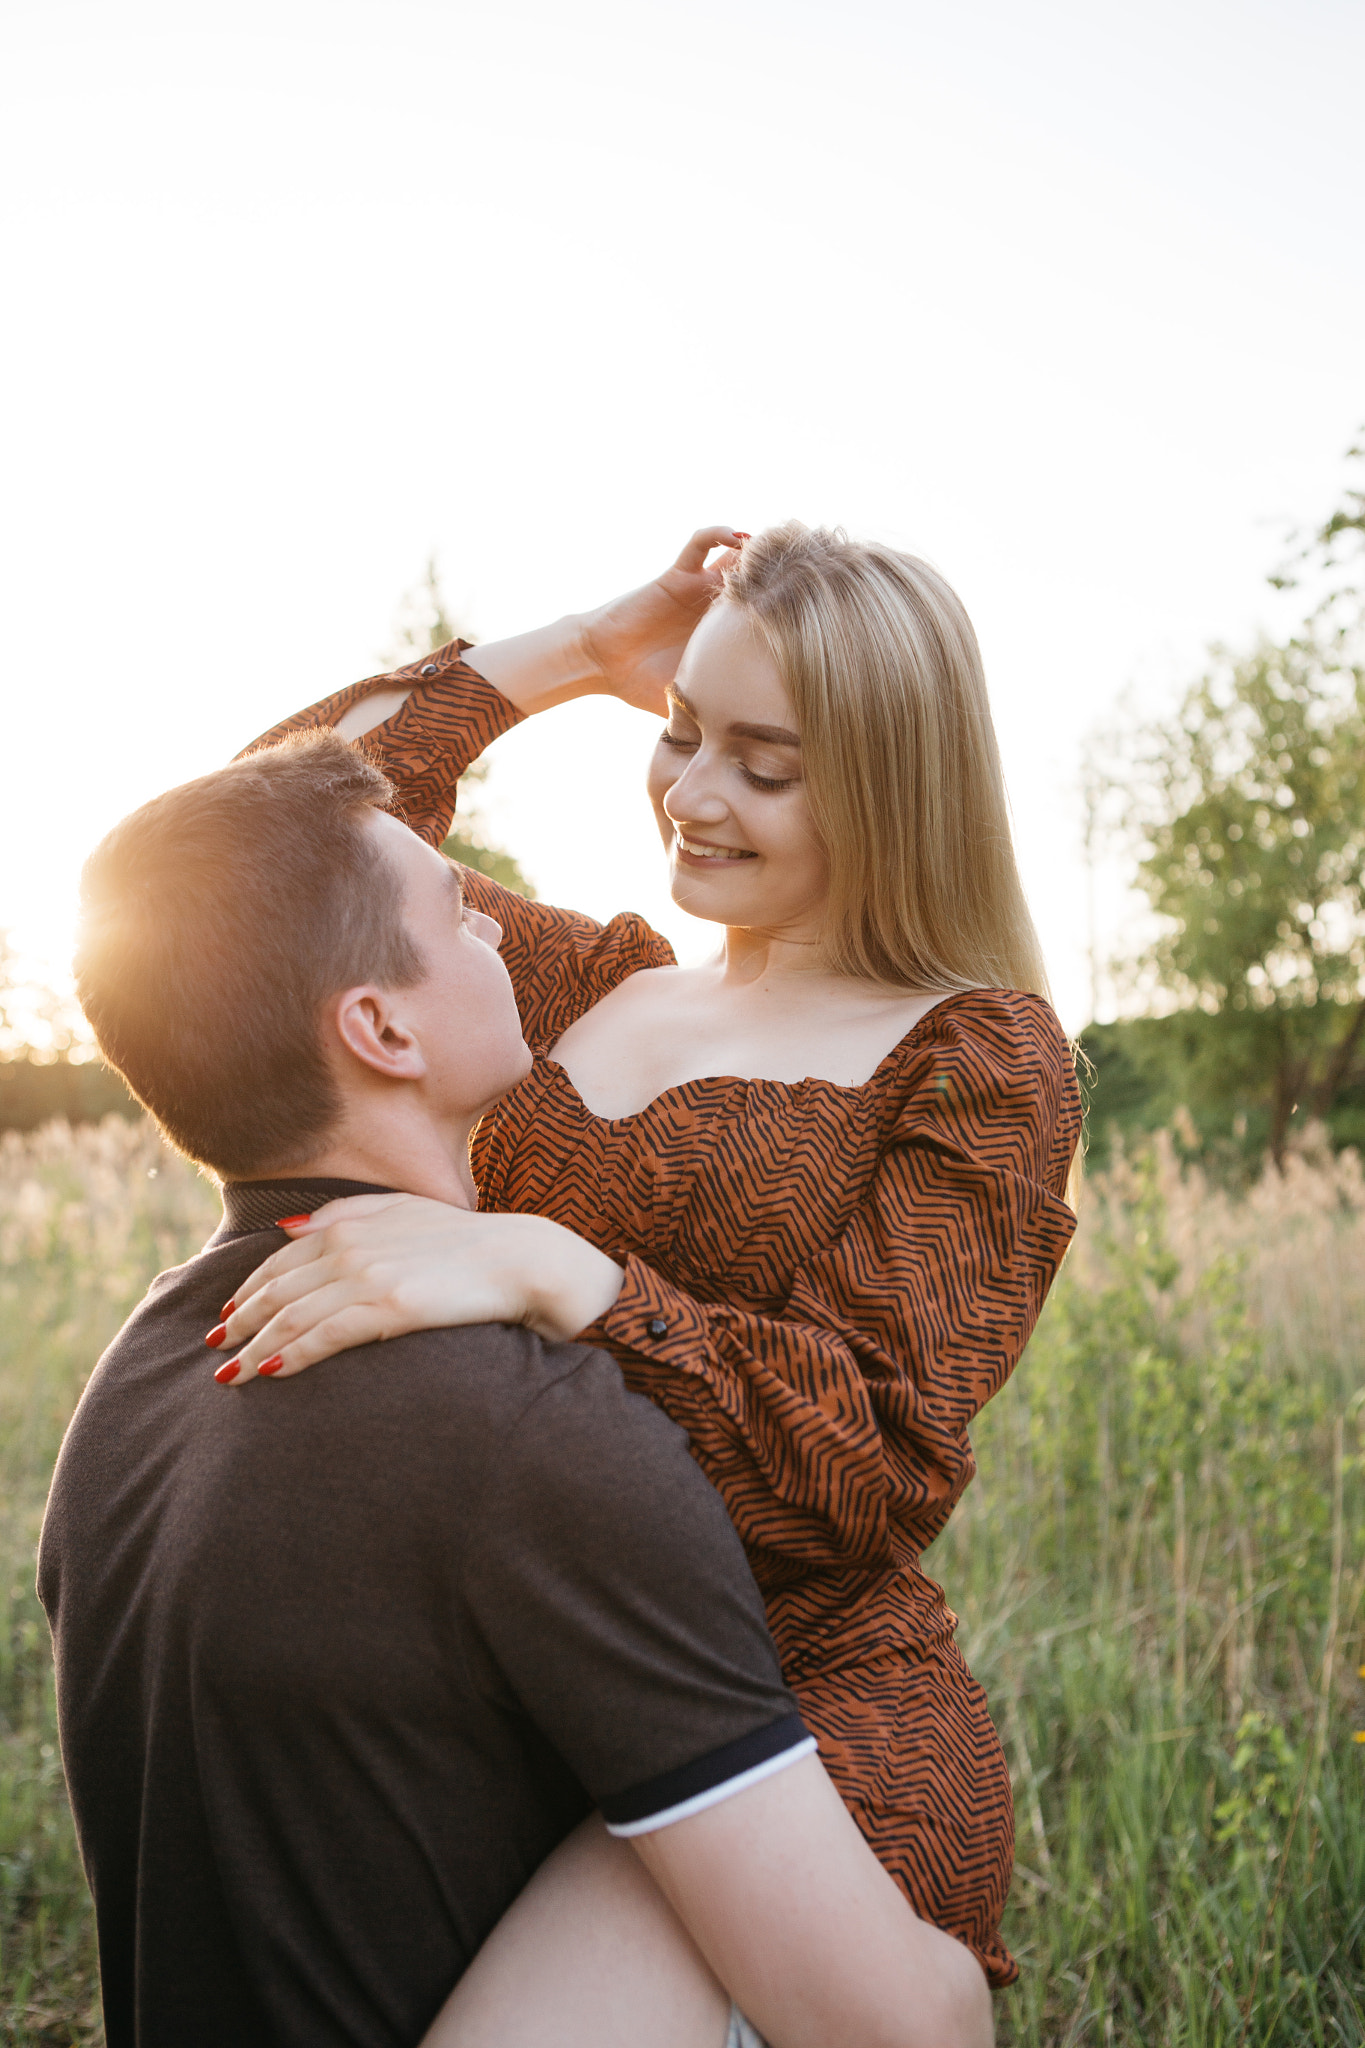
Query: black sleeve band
(695, 1786)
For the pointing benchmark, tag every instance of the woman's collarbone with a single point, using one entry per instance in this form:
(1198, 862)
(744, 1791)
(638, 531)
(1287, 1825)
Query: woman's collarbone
(620, 1058)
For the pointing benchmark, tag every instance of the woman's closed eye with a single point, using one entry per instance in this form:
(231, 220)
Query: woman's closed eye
(751, 775)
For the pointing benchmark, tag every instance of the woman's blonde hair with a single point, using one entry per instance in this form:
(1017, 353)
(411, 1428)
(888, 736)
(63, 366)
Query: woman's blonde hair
(900, 761)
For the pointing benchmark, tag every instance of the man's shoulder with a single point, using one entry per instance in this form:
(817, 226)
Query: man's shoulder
(568, 1398)
(443, 1380)
(439, 1412)
(540, 1433)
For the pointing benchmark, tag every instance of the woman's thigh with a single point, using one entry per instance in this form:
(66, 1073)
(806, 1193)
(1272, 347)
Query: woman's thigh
(911, 1746)
(590, 1955)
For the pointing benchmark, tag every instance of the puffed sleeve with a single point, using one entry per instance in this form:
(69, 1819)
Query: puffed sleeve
(449, 716)
(560, 962)
(852, 1404)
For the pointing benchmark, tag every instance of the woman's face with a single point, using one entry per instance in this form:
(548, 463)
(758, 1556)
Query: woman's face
(726, 786)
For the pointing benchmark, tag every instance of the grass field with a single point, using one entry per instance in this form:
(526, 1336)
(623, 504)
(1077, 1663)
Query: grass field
(1160, 1575)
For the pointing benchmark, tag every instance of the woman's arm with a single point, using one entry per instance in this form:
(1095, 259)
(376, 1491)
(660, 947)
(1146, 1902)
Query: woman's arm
(424, 723)
(629, 648)
(439, 715)
(559, 961)
(385, 1264)
(534, 672)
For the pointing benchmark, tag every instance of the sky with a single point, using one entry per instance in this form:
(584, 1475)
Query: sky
(1067, 298)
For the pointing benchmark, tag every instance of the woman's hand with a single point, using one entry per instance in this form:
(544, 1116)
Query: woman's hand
(629, 648)
(374, 1266)
(636, 642)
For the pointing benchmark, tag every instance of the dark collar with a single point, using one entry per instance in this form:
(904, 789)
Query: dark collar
(259, 1204)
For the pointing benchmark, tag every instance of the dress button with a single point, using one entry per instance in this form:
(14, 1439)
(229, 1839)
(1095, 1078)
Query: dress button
(430, 669)
(658, 1327)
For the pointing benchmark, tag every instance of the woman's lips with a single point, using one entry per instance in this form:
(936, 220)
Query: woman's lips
(703, 853)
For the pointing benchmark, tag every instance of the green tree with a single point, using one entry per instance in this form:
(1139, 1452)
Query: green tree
(1330, 560)
(1249, 813)
(1255, 863)
(423, 624)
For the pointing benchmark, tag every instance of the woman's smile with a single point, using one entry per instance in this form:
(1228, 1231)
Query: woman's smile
(700, 853)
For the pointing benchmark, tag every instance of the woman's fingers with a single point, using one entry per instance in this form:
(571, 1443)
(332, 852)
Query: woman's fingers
(304, 1251)
(276, 1288)
(308, 1239)
(423, 1265)
(337, 1322)
(635, 642)
(693, 556)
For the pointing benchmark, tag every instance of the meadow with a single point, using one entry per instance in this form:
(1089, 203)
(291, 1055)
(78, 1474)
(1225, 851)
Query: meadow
(1160, 1573)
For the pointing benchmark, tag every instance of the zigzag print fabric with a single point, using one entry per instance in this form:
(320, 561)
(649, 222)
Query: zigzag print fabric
(824, 1285)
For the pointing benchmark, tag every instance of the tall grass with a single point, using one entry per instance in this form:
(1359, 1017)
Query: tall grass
(1160, 1574)
(86, 1217)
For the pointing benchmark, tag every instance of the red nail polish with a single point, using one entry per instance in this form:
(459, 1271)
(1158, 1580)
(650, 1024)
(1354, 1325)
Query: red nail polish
(290, 1222)
(226, 1310)
(215, 1337)
(270, 1367)
(227, 1373)
(742, 536)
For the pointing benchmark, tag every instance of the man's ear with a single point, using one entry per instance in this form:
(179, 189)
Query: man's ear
(369, 1027)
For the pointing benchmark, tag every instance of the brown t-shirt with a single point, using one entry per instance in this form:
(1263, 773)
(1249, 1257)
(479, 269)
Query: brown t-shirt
(341, 1658)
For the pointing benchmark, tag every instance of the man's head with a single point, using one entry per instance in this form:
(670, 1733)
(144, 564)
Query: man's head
(265, 951)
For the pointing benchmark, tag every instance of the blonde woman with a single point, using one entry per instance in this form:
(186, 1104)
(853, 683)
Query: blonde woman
(810, 1196)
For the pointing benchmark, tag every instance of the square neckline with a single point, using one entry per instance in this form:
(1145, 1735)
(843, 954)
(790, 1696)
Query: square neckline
(546, 1058)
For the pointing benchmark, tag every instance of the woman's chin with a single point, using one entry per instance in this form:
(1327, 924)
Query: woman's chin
(699, 898)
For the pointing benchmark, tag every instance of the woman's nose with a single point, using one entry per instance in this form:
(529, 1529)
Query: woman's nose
(693, 799)
(486, 928)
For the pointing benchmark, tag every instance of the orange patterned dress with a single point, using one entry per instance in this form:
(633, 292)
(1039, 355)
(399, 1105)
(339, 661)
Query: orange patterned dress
(823, 1287)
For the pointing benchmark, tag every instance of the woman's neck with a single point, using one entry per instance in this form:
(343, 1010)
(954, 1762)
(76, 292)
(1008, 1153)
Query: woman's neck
(748, 956)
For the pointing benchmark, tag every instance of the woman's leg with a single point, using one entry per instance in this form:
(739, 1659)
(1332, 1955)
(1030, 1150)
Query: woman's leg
(590, 1955)
(910, 1745)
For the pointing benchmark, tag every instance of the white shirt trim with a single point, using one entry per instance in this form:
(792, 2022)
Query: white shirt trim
(699, 1802)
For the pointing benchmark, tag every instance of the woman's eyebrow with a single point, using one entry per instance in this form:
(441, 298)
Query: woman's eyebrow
(776, 735)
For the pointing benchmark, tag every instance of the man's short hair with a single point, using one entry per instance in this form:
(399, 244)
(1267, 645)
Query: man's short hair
(216, 921)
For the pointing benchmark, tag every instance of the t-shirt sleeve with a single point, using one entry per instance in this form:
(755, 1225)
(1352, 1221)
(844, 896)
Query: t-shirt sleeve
(615, 1603)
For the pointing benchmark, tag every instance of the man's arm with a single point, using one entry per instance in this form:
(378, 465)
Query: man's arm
(783, 1901)
(806, 1931)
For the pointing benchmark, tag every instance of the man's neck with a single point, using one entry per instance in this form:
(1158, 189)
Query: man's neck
(410, 1154)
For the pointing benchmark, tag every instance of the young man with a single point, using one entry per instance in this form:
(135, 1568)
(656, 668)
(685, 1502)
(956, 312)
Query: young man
(340, 1662)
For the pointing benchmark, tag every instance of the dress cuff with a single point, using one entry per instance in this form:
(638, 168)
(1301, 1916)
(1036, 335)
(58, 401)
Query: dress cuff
(449, 705)
(451, 713)
(653, 1318)
(475, 715)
